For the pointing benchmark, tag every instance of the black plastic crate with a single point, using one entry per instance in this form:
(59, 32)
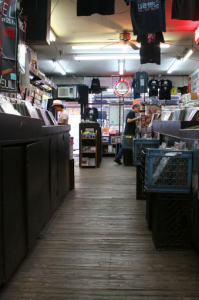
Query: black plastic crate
(140, 190)
(171, 228)
(127, 142)
(128, 158)
(149, 209)
(71, 175)
(141, 144)
(168, 171)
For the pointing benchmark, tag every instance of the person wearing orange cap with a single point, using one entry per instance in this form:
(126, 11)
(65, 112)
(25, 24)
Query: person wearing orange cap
(129, 128)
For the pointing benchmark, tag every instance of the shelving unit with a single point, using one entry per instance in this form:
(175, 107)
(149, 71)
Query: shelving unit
(88, 151)
(111, 147)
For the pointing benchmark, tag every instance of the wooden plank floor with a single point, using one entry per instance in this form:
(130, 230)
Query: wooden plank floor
(97, 246)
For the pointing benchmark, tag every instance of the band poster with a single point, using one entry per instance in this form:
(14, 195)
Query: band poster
(8, 46)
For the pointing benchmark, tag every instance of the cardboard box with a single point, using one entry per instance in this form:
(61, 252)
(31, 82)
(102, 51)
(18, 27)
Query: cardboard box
(194, 96)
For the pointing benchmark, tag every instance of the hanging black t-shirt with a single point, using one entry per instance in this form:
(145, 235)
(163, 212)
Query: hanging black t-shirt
(165, 87)
(185, 10)
(90, 7)
(147, 16)
(153, 87)
(150, 53)
(130, 127)
(136, 95)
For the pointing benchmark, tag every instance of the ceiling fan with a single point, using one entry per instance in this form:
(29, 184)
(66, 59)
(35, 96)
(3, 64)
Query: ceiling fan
(125, 38)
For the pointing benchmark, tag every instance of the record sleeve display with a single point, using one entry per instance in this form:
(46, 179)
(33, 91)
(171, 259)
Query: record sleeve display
(42, 114)
(49, 113)
(8, 108)
(32, 112)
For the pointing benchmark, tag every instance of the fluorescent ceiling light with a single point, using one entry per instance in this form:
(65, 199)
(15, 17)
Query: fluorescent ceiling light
(121, 67)
(188, 54)
(105, 57)
(59, 67)
(52, 36)
(113, 46)
(173, 65)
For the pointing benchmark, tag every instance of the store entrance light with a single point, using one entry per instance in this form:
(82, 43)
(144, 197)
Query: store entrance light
(187, 55)
(121, 67)
(173, 65)
(59, 67)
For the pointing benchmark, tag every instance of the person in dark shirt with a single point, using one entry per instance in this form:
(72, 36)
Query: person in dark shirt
(129, 128)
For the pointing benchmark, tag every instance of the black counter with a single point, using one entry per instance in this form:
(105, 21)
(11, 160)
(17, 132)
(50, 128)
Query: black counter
(34, 176)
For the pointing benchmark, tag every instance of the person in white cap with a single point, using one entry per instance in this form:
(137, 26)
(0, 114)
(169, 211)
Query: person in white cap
(58, 106)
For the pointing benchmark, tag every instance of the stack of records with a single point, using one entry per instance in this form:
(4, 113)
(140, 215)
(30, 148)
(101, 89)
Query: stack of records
(8, 108)
(49, 113)
(44, 117)
(32, 112)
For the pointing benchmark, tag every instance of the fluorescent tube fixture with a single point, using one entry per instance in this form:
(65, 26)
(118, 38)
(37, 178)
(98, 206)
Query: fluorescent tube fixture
(116, 46)
(105, 57)
(59, 67)
(173, 65)
(121, 67)
(188, 54)
(52, 36)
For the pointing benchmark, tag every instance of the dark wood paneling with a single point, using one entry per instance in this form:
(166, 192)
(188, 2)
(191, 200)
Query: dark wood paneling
(15, 129)
(34, 196)
(62, 188)
(46, 180)
(14, 225)
(1, 220)
(54, 172)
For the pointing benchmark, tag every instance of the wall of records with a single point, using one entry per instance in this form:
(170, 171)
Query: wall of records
(25, 108)
(194, 82)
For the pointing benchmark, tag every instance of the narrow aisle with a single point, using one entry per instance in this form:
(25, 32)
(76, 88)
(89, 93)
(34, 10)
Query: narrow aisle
(98, 246)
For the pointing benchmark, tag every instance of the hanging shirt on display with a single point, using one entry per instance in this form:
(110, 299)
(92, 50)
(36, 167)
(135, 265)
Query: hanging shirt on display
(147, 16)
(150, 49)
(165, 87)
(153, 87)
(90, 7)
(136, 95)
(142, 79)
(185, 10)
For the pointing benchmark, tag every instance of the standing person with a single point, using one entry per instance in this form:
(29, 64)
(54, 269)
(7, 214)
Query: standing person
(129, 128)
(58, 106)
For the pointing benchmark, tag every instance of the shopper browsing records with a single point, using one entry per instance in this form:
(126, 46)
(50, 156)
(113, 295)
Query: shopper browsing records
(63, 117)
(129, 128)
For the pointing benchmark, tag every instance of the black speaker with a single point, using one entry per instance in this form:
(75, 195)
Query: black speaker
(83, 94)
(38, 21)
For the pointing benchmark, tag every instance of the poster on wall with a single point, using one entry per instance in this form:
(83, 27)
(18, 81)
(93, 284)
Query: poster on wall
(8, 46)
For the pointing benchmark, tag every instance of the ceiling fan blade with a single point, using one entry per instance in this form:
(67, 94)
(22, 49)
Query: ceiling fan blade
(109, 45)
(132, 45)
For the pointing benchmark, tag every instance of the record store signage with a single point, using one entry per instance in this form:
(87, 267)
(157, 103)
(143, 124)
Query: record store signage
(8, 46)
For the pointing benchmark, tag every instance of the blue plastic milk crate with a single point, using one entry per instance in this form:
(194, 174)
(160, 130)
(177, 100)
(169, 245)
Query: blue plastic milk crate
(141, 144)
(127, 141)
(168, 171)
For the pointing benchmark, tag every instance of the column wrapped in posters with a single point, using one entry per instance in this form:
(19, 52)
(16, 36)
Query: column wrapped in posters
(8, 45)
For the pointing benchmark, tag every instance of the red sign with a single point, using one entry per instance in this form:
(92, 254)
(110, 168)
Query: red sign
(9, 32)
(197, 35)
